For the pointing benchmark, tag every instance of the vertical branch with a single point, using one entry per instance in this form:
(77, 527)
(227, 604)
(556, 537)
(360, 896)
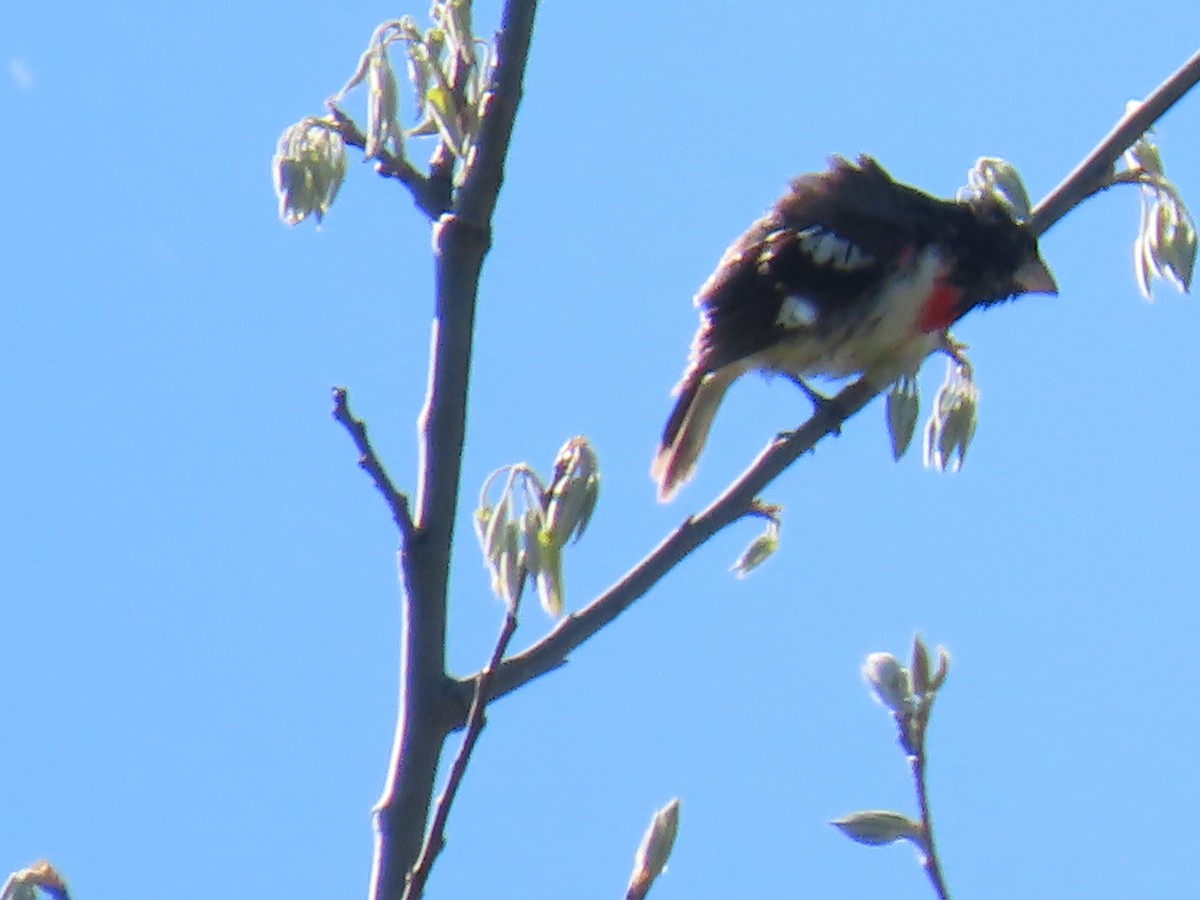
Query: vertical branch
(476, 720)
(932, 862)
(429, 708)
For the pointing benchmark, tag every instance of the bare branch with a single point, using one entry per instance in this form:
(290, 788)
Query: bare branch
(369, 461)
(476, 720)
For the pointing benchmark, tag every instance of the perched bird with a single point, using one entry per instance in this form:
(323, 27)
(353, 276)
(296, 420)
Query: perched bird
(848, 270)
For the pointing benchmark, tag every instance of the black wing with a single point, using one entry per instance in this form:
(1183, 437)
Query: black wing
(817, 254)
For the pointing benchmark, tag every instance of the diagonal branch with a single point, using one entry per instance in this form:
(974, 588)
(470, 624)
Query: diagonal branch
(1094, 170)
(369, 461)
(431, 193)
(737, 501)
(552, 650)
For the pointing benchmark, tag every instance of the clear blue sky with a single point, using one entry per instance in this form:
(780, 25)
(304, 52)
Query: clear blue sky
(197, 585)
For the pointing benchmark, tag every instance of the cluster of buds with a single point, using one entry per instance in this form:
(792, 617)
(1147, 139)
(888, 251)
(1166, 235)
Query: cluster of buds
(24, 884)
(523, 533)
(1166, 242)
(445, 69)
(951, 425)
(450, 70)
(308, 169)
(998, 181)
(908, 692)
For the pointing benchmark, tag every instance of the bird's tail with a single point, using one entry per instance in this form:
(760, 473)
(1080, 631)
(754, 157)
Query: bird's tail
(700, 394)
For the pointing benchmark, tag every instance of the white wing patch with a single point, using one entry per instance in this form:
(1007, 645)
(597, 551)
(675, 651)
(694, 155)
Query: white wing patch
(797, 312)
(828, 249)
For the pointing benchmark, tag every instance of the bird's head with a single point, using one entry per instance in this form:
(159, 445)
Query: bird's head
(997, 257)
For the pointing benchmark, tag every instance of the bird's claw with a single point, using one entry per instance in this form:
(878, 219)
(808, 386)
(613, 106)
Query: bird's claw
(822, 405)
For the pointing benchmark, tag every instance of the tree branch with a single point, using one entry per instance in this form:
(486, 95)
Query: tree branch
(737, 501)
(476, 720)
(429, 710)
(552, 650)
(932, 863)
(430, 194)
(369, 462)
(1090, 174)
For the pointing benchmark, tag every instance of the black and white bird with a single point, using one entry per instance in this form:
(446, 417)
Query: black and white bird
(849, 270)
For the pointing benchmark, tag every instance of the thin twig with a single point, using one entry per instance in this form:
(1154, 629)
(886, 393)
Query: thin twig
(476, 720)
(931, 863)
(1093, 171)
(551, 651)
(430, 194)
(370, 463)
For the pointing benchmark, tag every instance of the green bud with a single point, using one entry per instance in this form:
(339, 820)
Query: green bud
(903, 407)
(511, 574)
(878, 827)
(650, 861)
(308, 169)
(890, 682)
(383, 107)
(531, 545)
(573, 492)
(919, 667)
(1143, 154)
(549, 577)
(951, 426)
(1175, 249)
(758, 552)
(998, 180)
(493, 535)
(943, 669)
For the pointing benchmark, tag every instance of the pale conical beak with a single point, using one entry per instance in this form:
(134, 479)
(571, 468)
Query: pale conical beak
(1034, 278)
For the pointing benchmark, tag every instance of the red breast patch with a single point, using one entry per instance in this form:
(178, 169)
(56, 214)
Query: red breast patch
(941, 307)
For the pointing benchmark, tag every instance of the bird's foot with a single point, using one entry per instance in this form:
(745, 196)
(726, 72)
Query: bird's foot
(822, 405)
(955, 349)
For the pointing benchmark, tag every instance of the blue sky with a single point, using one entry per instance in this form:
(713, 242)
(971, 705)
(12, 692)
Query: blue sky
(197, 585)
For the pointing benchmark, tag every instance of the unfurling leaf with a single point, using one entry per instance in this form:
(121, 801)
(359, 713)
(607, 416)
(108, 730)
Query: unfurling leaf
(1165, 246)
(943, 669)
(764, 546)
(758, 552)
(996, 180)
(308, 169)
(903, 407)
(951, 425)
(573, 492)
(549, 577)
(878, 827)
(919, 667)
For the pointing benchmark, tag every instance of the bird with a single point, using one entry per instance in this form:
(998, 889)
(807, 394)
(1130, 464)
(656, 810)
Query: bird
(849, 271)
